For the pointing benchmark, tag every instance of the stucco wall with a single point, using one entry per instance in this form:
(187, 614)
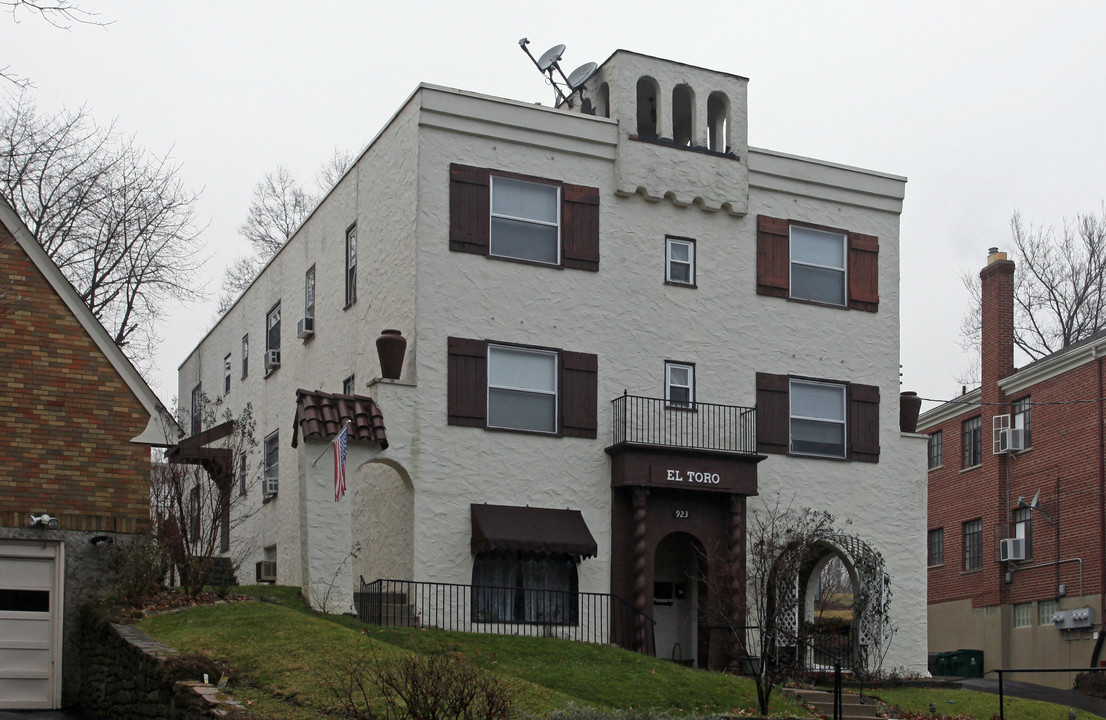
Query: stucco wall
(624, 313)
(378, 194)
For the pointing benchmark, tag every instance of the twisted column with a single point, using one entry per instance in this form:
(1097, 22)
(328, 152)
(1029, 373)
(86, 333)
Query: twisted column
(640, 596)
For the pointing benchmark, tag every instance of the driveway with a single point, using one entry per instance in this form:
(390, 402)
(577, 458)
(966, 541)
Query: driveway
(1068, 698)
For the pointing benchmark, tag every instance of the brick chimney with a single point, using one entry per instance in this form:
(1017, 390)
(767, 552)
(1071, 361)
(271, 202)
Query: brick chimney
(997, 323)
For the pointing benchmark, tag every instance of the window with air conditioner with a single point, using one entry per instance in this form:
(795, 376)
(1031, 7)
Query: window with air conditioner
(272, 464)
(272, 338)
(1012, 549)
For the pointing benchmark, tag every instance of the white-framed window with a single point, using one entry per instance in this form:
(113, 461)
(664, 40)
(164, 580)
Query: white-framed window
(272, 328)
(1022, 417)
(1045, 610)
(272, 463)
(818, 265)
(522, 389)
(1023, 528)
(245, 355)
(226, 374)
(309, 293)
(197, 409)
(242, 471)
(679, 264)
(349, 387)
(525, 220)
(679, 384)
(1023, 615)
(351, 264)
(817, 418)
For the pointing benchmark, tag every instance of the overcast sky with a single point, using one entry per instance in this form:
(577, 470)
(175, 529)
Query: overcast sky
(986, 107)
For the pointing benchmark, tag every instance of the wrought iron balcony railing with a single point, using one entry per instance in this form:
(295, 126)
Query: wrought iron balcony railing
(694, 425)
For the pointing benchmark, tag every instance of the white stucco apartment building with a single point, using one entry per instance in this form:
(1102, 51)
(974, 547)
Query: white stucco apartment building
(594, 304)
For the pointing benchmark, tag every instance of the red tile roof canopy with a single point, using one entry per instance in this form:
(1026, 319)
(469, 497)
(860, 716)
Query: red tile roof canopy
(509, 527)
(320, 414)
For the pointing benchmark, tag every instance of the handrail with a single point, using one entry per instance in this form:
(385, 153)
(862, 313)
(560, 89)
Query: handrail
(581, 616)
(692, 425)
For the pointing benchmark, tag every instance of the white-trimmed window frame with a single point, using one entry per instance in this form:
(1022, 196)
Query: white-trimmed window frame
(351, 264)
(494, 348)
(245, 355)
(309, 293)
(555, 189)
(226, 374)
(671, 383)
(843, 238)
(671, 241)
(792, 417)
(1023, 615)
(271, 476)
(349, 386)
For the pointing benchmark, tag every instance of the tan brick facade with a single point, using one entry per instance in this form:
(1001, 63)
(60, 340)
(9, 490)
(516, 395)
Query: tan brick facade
(67, 417)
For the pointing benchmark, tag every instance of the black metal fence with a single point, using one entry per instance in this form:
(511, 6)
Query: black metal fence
(582, 616)
(695, 425)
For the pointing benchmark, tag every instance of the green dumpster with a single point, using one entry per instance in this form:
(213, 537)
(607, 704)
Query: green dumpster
(944, 664)
(966, 663)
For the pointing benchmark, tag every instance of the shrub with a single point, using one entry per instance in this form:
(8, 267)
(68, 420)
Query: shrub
(1091, 683)
(423, 687)
(138, 566)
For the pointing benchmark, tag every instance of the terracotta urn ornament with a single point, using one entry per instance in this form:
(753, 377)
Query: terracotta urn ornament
(391, 347)
(909, 406)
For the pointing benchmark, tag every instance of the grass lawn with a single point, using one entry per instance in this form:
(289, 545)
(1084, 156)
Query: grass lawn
(979, 705)
(283, 655)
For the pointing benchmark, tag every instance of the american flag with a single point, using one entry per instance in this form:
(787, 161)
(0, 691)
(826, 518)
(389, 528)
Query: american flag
(341, 443)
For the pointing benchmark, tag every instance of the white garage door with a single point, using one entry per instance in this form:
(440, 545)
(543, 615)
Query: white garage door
(30, 625)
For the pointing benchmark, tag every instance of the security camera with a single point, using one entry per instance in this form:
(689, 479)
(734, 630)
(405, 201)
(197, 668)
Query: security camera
(45, 521)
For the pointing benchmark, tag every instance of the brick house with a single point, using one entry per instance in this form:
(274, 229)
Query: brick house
(76, 426)
(1016, 481)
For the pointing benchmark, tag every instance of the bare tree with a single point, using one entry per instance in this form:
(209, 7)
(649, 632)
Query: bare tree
(116, 219)
(779, 540)
(197, 498)
(278, 206)
(333, 170)
(1059, 287)
(61, 14)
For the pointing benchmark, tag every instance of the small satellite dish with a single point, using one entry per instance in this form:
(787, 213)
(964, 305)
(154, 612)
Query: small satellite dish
(550, 56)
(581, 75)
(1035, 503)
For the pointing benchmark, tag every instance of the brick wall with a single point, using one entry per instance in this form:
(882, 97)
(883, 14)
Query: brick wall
(67, 416)
(1063, 463)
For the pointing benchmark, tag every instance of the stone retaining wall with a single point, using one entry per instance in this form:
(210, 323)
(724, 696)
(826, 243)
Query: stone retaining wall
(127, 675)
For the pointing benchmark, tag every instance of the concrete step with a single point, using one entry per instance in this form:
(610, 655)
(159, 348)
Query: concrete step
(851, 705)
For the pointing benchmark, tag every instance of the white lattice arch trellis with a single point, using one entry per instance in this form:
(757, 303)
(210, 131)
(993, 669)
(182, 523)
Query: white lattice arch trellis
(865, 568)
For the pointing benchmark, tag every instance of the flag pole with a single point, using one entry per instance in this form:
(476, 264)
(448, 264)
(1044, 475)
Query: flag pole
(330, 443)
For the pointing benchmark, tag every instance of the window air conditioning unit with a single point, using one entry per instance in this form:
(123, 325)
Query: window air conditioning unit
(266, 571)
(305, 328)
(1011, 440)
(1011, 549)
(272, 359)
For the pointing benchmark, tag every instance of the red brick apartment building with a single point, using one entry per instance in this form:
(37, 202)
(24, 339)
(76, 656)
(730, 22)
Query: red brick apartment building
(76, 425)
(1016, 518)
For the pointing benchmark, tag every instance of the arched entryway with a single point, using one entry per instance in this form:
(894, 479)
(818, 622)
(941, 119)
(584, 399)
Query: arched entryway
(383, 522)
(678, 591)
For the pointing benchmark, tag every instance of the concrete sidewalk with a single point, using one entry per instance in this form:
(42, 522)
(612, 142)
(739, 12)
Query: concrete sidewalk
(1012, 688)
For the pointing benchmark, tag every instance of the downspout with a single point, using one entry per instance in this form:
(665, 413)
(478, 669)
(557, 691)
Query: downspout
(1101, 525)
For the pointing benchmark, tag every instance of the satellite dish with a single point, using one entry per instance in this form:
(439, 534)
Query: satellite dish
(1035, 503)
(550, 56)
(581, 75)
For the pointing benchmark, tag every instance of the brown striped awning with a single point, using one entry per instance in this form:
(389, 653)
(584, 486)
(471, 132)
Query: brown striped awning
(510, 527)
(320, 414)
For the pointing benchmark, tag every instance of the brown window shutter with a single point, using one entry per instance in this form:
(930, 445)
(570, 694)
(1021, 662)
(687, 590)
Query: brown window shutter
(863, 272)
(580, 227)
(773, 413)
(773, 256)
(469, 209)
(579, 394)
(864, 423)
(467, 385)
